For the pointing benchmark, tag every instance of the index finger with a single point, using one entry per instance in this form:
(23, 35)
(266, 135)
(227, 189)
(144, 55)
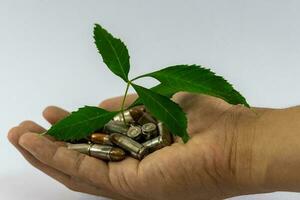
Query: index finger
(67, 161)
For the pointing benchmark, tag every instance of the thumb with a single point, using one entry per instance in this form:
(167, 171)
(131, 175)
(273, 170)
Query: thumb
(202, 110)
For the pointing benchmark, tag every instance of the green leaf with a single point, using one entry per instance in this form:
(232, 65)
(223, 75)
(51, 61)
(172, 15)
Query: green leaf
(196, 79)
(160, 89)
(113, 51)
(164, 90)
(165, 110)
(80, 124)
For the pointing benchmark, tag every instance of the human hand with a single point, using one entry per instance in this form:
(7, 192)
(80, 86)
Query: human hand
(217, 162)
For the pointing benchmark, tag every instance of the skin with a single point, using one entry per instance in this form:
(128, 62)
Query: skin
(233, 151)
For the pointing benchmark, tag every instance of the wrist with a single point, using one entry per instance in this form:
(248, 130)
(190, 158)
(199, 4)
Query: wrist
(251, 157)
(252, 148)
(243, 148)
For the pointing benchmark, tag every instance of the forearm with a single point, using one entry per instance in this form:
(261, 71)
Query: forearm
(278, 149)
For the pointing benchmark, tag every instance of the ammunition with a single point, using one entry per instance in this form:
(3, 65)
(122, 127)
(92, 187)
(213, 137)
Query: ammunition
(127, 116)
(134, 132)
(140, 127)
(81, 148)
(130, 115)
(146, 118)
(100, 138)
(136, 149)
(137, 112)
(149, 130)
(165, 134)
(164, 139)
(115, 127)
(154, 144)
(104, 152)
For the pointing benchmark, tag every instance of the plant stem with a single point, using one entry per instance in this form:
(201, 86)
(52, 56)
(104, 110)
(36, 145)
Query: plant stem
(138, 77)
(123, 101)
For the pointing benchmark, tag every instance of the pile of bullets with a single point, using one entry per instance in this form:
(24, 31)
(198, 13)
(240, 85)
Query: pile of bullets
(140, 135)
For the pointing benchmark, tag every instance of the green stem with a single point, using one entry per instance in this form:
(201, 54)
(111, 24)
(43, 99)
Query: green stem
(138, 77)
(123, 101)
(43, 133)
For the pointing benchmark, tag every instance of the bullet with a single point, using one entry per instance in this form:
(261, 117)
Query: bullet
(146, 118)
(136, 149)
(149, 130)
(81, 148)
(119, 117)
(154, 144)
(115, 127)
(164, 139)
(100, 138)
(130, 115)
(137, 112)
(134, 132)
(164, 133)
(103, 152)
(106, 152)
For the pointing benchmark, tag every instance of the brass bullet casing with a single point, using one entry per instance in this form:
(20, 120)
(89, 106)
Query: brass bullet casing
(137, 112)
(167, 138)
(136, 149)
(134, 132)
(115, 127)
(100, 138)
(106, 152)
(81, 148)
(103, 152)
(146, 118)
(131, 115)
(164, 139)
(149, 130)
(128, 117)
(154, 144)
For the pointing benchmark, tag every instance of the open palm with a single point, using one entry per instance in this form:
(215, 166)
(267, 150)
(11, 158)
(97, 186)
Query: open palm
(204, 168)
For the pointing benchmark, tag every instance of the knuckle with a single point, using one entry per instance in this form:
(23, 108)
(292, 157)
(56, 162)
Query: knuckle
(57, 155)
(76, 160)
(79, 160)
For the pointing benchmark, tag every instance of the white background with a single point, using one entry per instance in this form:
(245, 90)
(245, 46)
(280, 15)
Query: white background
(47, 57)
